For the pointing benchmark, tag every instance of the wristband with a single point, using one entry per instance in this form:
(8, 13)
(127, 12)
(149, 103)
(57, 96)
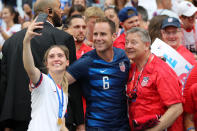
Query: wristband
(190, 128)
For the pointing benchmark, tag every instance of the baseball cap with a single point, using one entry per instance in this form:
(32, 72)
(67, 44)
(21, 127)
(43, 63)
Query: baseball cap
(186, 8)
(126, 13)
(170, 21)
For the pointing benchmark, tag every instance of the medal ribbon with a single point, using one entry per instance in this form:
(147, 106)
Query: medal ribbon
(61, 104)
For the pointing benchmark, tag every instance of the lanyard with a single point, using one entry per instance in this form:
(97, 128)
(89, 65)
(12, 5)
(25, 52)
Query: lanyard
(61, 104)
(133, 88)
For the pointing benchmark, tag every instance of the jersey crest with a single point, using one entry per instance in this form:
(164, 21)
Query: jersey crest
(122, 66)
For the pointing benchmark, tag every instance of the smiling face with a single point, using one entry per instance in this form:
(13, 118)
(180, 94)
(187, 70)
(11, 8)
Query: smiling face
(172, 36)
(7, 15)
(103, 37)
(135, 48)
(56, 60)
(188, 22)
(131, 22)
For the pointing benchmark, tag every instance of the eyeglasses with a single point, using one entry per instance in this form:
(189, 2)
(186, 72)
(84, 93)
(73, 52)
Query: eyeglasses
(168, 33)
(190, 17)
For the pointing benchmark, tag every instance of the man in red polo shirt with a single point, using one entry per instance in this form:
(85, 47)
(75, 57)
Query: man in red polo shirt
(171, 34)
(129, 19)
(190, 106)
(154, 90)
(77, 27)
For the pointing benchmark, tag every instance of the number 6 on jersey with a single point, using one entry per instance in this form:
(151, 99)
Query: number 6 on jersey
(105, 82)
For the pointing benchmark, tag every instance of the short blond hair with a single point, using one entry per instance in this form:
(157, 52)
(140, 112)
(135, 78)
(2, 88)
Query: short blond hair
(94, 12)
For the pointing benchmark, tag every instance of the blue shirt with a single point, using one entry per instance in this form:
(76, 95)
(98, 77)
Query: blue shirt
(103, 85)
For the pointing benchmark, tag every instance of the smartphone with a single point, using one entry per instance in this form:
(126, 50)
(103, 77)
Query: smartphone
(42, 17)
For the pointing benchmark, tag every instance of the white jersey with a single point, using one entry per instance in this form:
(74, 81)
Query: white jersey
(190, 39)
(45, 106)
(15, 28)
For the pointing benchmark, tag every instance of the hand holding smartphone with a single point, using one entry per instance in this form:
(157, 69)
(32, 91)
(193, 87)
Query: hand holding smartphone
(42, 17)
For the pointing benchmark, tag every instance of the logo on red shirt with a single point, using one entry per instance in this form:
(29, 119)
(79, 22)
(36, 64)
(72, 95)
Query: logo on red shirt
(144, 81)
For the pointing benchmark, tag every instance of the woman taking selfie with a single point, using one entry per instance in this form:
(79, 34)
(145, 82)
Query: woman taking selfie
(49, 95)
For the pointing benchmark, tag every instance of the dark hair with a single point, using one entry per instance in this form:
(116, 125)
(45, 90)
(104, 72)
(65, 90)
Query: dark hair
(116, 3)
(13, 12)
(74, 8)
(106, 20)
(113, 8)
(74, 1)
(154, 27)
(141, 10)
(68, 21)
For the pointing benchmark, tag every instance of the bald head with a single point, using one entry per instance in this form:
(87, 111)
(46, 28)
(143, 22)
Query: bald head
(43, 5)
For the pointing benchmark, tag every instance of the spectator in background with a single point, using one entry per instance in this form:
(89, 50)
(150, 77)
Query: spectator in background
(143, 17)
(154, 90)
(79, 2)
(154, 27)
(112, 14)
(190, 115)
(190, 106)
(128, 19)
(10, 17)
(109, 3)
(91, 14)
(77, 28)
(171, 34)
(164, 8)
(76, 10)
(187, 14)
(28, 12)
(120, 4)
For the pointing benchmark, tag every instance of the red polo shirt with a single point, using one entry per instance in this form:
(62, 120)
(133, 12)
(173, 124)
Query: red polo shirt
(120, 41)
(157, 89)
(82, 50)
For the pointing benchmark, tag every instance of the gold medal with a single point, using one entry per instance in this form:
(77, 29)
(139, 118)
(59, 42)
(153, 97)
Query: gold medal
(59, 121)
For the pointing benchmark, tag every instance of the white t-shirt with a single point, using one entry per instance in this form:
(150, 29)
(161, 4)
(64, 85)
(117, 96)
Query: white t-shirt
(149, 5)
(45, 106)
(190, 39)
(11, 31)
(166, 12)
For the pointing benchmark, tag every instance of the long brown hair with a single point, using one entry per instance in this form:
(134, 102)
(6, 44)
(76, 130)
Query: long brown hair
(64, 83)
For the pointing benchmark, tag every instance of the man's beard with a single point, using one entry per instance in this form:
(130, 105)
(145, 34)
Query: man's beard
(57, 21)
(78, 40)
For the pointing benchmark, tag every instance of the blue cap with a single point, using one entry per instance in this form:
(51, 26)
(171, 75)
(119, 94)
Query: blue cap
(170, 21)
(126, 13)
